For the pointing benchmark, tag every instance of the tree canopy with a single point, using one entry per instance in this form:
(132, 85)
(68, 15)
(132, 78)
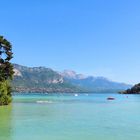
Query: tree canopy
(6, 71)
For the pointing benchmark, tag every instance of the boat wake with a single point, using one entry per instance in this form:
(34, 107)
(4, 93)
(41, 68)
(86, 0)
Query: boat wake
(44, 102)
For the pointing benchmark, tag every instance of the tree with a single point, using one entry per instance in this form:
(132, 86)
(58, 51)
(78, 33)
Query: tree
(6, 71)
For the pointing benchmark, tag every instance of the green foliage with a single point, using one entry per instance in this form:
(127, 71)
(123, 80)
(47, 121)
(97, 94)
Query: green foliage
(6, 71)
(5, 93)
(134, 90)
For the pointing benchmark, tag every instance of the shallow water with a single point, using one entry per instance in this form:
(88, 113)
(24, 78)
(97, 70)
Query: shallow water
(67, 117)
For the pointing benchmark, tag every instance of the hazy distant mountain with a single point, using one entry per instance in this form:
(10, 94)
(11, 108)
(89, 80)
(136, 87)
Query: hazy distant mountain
(41, 79)
(94, 84)
(72, 75)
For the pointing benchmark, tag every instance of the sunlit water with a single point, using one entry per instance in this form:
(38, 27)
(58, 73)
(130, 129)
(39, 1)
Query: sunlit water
(69, 117)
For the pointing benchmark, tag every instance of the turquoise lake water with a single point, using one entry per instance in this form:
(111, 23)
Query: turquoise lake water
(69, 117)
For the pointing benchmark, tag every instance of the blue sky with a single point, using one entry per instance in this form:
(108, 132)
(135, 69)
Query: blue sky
(93, 37)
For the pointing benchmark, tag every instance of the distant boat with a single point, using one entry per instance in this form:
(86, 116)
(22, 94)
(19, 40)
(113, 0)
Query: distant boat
(110, 98)
(75, 95)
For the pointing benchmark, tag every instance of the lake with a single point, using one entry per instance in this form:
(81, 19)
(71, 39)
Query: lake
(69, 117)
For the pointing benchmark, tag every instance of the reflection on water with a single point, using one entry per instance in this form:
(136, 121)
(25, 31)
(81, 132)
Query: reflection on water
(5, 122)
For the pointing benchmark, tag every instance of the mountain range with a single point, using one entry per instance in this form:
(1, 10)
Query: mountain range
(41, 79)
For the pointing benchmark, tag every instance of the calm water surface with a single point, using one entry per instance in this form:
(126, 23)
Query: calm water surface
(67, 117)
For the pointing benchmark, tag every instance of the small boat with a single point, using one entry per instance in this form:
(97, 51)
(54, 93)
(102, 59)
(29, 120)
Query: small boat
(75, 95)
(110, 98)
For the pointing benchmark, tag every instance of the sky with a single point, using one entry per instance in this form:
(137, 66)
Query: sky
(93, 37)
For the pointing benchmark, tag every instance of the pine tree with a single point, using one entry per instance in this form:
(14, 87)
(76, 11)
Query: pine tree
(6, 71)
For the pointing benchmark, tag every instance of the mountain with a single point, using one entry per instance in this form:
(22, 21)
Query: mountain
(134, 90)
(41, 79)
(69, 74)
(93, 84)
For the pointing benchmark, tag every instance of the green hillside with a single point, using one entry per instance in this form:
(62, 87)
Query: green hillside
(40, 79)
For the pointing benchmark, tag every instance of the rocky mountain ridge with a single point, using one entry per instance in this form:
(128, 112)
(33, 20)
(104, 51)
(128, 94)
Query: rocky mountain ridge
(41, 79)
